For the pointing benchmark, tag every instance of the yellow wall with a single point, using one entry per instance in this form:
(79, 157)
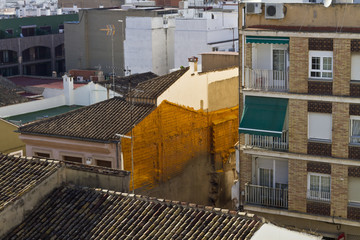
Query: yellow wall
(10, 141)
(172, 136)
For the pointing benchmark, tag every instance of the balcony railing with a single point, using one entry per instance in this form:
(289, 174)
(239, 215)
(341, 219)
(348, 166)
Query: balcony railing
(266, 196)
(267, 80)
(268, 142)
(318, 195)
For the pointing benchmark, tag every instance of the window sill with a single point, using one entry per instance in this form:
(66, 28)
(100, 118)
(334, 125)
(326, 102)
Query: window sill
(315, 140)
(354, 204)
(355, 81)
(320, 79)
(354, 144)
(318, 200)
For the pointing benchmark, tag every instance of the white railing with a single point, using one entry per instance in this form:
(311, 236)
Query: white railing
(317, 195)
(267, 80)
(268, 142)
(266, 196)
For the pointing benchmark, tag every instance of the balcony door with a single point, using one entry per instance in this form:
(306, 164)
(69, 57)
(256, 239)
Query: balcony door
(279, 63)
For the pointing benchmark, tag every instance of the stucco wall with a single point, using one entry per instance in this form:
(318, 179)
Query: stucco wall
(12, 142)
(223, 94)
(219, 60)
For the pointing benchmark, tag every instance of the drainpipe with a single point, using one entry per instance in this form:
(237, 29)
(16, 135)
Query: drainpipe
(117, 153)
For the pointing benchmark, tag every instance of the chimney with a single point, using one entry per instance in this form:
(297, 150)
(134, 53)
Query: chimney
(193, 61)
(68, 83)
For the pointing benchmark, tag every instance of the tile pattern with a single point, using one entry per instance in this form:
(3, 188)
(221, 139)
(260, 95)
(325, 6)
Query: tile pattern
(321, 107)
(354, 152)
(354, 109)
(97, 122)
(353, 213)
(321, 44)
(319, 149)
(18, 175)
(80, 213)
(320, 88)
(354, 171)
(354, 90)
(355, 45)
(318, 167)
(153, 88)
(318, 208)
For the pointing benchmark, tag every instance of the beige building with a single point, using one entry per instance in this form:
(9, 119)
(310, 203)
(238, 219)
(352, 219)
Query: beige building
(299, 132)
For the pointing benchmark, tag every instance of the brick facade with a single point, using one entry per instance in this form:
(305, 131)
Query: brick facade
(245, 170)
(298, 126)
(299, 67)
(342, 67)
(339, 190)
(248, 55)
(297, 192)
(318, 208)
(340, 133)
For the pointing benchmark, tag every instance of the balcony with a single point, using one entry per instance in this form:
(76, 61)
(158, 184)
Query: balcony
(267, 80)
(318, 195)
(266, 196)
(268, 142)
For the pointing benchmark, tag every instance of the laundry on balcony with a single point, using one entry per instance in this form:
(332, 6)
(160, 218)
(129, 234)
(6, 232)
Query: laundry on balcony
(263, 116)
(268, 40)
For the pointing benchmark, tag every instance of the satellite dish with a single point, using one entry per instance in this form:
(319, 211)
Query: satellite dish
(327, 3)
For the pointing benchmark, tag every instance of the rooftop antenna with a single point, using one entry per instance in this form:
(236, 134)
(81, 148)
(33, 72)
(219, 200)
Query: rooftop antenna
(327, 3)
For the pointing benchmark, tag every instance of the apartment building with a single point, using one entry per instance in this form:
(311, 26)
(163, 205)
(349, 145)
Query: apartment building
(299, 151)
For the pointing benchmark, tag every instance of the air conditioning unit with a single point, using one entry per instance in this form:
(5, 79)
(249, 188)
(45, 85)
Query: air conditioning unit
(253, 8)
(274, 11)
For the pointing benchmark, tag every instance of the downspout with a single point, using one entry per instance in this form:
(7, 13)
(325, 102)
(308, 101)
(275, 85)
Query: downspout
(117, 153)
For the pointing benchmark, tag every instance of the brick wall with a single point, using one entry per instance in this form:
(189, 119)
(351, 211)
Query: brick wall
(167, 140)
(297, 192)
(298, 121)
(342, 67)
(340, 133)
(339, 190)
(245, 169)
(299, 59)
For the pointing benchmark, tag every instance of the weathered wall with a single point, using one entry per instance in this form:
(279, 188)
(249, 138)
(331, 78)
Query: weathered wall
(12, 143)
(219, 60)
(223, 94)
(175, 141)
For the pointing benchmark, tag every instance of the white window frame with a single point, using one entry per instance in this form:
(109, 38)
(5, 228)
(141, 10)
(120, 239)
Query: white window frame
(321, 55)
(310, 135)
(18, 153)
(320, 196)
(353, 118)
(352, 201)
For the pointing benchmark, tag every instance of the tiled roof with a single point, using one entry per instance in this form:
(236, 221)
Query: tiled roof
(153, 88)
(97, 122)
(80, 213)
(122, 84)
(18, 175)
(8, 93)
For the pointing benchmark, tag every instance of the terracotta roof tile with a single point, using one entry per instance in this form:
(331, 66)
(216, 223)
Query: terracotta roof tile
(98, 122)
(18, 175)
(81, 213)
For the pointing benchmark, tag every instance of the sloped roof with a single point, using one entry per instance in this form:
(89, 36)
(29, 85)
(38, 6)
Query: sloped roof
(153, 88)
(97, 122)
(122, 84)
(18, 175)
(81, 213)
(8, 93)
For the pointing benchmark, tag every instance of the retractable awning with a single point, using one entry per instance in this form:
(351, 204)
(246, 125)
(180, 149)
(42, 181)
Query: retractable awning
(263, 116)
(265, 39)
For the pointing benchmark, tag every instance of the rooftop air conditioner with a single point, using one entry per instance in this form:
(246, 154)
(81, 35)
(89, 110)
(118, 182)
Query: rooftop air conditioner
(274, 11)
(253, 8)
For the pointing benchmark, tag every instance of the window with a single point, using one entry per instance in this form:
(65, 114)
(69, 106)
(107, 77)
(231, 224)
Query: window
(72, 159)
(320, 126)
(266, 177)
(319, 186)
(355, 129)
(42, 154)
(353, 190)
(321, 64)
(103, 163)
(355, 63)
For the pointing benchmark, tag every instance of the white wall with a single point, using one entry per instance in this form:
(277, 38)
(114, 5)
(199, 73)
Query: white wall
(32, 106)
(51, 92)
(272, 232)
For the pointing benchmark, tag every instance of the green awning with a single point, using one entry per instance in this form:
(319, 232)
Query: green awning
(264, 39)
(263, 116)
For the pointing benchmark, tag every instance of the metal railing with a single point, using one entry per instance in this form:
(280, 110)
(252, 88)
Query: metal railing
(267, 80)
(268, 142)
(318, 195)
(266, 196)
